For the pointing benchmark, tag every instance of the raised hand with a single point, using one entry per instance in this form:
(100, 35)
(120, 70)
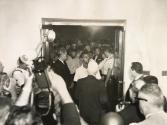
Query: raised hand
(59, 85)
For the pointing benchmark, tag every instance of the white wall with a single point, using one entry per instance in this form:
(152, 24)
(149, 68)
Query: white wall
(146, 38)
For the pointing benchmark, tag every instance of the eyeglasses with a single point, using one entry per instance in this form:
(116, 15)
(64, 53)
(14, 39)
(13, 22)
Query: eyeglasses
(140, 99)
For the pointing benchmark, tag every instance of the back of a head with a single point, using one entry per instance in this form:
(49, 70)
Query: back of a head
(112, 118)
(151, 79)
(137, 66)
(92, 67)
(23, 116)
(153, 94)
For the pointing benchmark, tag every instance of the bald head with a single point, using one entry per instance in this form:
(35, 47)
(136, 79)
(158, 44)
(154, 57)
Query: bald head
(112, 118)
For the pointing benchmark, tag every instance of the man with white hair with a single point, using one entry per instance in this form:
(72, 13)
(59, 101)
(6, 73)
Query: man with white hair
(151, 104)
(81, 72)
(89, 93)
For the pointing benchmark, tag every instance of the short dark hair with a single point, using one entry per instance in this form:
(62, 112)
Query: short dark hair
(61, 50)
(84, 53)
(137, 66)
(24, 114)
(150, 79)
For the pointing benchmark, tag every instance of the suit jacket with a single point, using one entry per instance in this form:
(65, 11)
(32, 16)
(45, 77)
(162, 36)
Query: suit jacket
(62, 70)
(127, 95)
(155, 119)
(131, 114)
(70, 115)
(91, 96)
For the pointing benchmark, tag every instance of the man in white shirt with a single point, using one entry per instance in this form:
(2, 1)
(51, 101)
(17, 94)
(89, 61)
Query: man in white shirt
(107, 68)
(72, 62)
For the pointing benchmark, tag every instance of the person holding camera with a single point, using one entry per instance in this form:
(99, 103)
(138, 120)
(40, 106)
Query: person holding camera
(21, 72)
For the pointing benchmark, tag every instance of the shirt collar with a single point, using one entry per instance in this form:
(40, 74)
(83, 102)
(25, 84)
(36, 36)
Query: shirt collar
(138, 77)
(151, 114)
(61, 60)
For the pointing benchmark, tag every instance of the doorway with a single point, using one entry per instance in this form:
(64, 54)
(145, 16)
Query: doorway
(102, 33)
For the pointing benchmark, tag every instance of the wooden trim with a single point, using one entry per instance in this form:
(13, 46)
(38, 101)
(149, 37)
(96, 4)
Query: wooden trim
(61, 21)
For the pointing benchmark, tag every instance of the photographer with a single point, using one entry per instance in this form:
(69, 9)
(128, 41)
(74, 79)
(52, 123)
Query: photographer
(70, 114)
(55, 86)
(21, 113)
(22, 71)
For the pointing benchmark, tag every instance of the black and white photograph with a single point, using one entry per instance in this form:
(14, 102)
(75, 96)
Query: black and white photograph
(83, 62)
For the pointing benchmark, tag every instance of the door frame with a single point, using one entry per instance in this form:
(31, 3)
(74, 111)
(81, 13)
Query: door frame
(96, 22)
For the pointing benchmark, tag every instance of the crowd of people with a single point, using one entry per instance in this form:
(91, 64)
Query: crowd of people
(80, 78)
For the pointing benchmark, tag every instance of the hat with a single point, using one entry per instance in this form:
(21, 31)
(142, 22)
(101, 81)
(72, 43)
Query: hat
(92, 67)
(24, 59)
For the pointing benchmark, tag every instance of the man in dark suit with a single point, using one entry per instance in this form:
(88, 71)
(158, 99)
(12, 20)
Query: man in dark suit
(131, 113)
(136, 73)
(91, 95)
(60, 67)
